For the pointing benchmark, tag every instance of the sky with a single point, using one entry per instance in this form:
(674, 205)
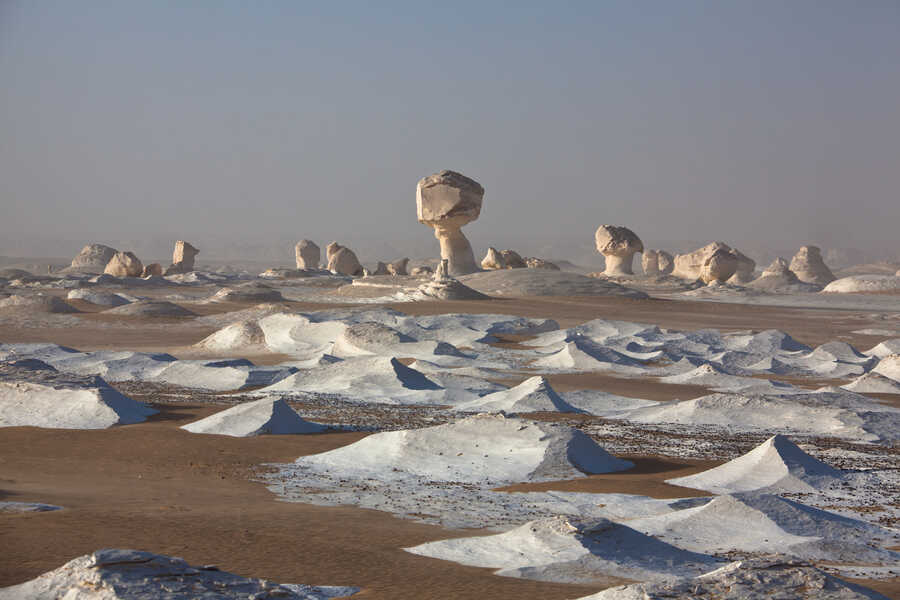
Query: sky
(752, 122)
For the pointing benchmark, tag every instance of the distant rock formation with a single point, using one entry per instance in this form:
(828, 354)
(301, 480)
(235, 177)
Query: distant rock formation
(398, 267)
(656, 262)
(693, 265)
(539, 263)
(343, 261)
(182, 258)
(124, 264)
(153, 269)
(381, 269)
(493, 260)
(808, 265)
(307, 254)
(720, 266)
(422, 270)
(512, 259)
(746, 267)
(93, 258)
(445, 202)
(618, 246)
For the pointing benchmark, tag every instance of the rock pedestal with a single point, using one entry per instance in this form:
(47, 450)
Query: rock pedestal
(618, 246)
(445, 202)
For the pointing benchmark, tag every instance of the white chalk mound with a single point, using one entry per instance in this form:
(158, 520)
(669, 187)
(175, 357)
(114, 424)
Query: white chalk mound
(150, 308)
(38, 303)
(885, 348)
(873, 383)
(545, 282)
(478, 449)
(571, 551)
(889, 366)
(98, 298)
(745, 580)
(266, 416)
(809, 266)
(36, 395)
(533, 394)
(776, 465)
(864, 283)
(114, 574)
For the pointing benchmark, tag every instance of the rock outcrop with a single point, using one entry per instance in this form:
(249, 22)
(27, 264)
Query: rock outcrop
(746, 267)
(493, 260)
(307, 254)
(808, 265)
(124, 264)
(445, 202)
(153, 269)
(381, 269)
(539, 263)
(182, 258)
(398, 267)
(443, 286)
(693, 265)
(513, 260)
(779, 278)
(422, 270)
(657, 262)
(618, 246)
(93, 258)
(720, 266)
(343, 261)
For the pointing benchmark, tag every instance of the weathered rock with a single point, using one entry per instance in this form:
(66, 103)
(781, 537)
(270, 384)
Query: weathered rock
(690, 265)
(539, 263)
(808, 265)
(124, 264)
(618, 245)
(330, 249)
(512, 259)
(443, 286)
(493, 260)
(423, 270)
(343, 261)
(745, 271)
(93, 258)
(153, 269)
(182, 258)
(445, 202)
(307, 254)
(381, 269)
(398, 267)
(720, 266)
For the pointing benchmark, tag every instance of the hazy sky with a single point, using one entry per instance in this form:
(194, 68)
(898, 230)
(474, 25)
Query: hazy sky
(769, 120)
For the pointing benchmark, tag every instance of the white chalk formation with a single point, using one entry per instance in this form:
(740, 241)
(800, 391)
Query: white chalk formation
(398, 267)
(618, 245)
(493, 260)
(715, 262)
(124, 264)
(182, 258)
(307, 254)
(444, 286)
(809, 267)
(656, 263)
(343, 261)
(92, 258)
(445, 202)
(266, 416)
(513, 260)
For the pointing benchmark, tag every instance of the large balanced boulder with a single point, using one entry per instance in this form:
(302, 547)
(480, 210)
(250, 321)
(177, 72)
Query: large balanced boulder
(343, 261)
(124, 264)
(307, 254)
(808, 265)
(445, 202)
(618, 245)
(93, 258)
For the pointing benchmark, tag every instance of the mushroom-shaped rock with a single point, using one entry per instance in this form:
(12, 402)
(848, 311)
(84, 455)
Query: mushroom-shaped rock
(153, 269)
(539, 263)
(808, 265)
(307, 254)
(512, 259)
(124, 264)
(445, 202)
(343, 261)
(618, 245)
(719, 267)
(93, 257)
(493, 260)
(398, 267)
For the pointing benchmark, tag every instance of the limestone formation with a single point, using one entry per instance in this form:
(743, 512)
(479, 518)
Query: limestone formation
(808, 265)
(690, 265)
(398, 267)
(124, 264)
(182, 258)
(618, 245)
(443, 286)
(380, 269)
(493, 260)
(307, 254)
(153, 269)
(746, 266)
(718, 267)
(779, 278)
(343, 261)
(513, 260)
(539, 263)
(445, 202)
(420, 271)
(93, 257)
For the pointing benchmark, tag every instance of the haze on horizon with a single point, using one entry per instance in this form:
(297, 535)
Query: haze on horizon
(769, 123)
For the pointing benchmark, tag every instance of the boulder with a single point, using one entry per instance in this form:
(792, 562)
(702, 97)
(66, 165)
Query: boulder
(398, 267)
(539, 263)
(153, 269)
(690, 265)
(343, 261)
(746, 267)
(657, 262)
(720, 266)
(512, 259)
(808, 265)
(307, 254)
(445, 202)
(182, 258)
(330, 250)
(493, 260)
(124, 264)
(618, 245)
(93, 257)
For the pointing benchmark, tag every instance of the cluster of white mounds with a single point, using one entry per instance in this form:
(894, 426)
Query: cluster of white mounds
(572, 551)
(544, 282)
(864, 283)
(777, 465)
(477, 449)
(35, 394)
(582, 354)
(241, 336)
(766, 523)
(37, 303)
(779, 278)
(747, 579)
(266, 416)
(99, 298)
(150, 308)
(532, 395)
(830, 412)
(114, 574)
(250, 292)
(711, 376)
(884, 348)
